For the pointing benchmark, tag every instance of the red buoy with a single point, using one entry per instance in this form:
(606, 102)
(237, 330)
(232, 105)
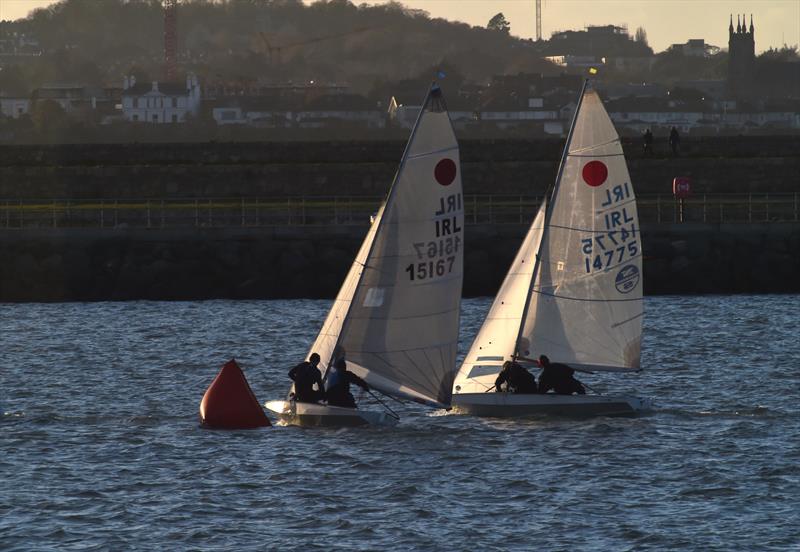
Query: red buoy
(229, 403)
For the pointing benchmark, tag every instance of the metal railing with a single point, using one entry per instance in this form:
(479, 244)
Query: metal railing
(356, 210)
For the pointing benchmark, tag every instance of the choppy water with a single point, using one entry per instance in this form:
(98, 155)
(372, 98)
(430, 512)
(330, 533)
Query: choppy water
(100, 446)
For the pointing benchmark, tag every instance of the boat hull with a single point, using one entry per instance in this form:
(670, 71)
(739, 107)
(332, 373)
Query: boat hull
(503, 405)
(322, 415)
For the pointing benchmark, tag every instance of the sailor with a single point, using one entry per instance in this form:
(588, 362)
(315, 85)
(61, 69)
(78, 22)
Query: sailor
(516, 378)
(559, 378)
(337, 385)
(304, 376)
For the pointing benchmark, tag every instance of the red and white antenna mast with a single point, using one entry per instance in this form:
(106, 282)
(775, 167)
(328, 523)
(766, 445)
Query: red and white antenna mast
(170, 38)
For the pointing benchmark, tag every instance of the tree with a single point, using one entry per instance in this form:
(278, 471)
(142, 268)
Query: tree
(641, 36)
(499, 23)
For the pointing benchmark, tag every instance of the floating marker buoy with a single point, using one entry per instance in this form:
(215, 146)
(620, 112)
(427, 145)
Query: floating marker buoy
(229, 403)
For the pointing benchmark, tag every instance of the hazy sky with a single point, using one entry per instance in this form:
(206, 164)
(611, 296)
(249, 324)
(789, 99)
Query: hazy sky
(666, 21)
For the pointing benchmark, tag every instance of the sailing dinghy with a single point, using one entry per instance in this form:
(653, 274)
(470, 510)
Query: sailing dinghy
(396, 317)
(574, 291)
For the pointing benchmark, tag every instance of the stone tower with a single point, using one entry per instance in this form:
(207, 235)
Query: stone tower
(741, 57)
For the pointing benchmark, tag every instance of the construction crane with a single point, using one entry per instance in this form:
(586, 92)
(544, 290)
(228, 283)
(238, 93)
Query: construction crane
(538, 20)
(274, 52)
(170, 38)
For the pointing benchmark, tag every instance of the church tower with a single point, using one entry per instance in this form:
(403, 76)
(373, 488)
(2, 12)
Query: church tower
(741, 57)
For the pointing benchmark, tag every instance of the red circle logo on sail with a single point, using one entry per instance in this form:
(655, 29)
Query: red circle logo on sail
(595, 173)
(445, 172)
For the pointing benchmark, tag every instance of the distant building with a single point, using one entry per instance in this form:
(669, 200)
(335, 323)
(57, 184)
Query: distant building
(166, 102)
(14, 107)
(741, 57)
(695, 47)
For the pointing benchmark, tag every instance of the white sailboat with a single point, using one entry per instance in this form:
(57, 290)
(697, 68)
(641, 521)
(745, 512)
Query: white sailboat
(396, 317)
(574, 291)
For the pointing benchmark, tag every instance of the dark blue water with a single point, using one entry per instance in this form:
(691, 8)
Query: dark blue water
(100, 446)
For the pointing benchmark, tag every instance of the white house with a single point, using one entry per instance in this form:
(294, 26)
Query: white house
(166, 102)
(14, 107)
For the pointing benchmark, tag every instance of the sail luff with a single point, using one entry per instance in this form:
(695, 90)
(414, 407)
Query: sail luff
(379, 222)
(400, 333)
(547, 215)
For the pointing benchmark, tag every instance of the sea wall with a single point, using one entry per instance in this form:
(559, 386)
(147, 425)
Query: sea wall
(280, 169)
(293, 262)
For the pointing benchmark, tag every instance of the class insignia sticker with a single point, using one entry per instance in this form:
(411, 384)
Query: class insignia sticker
(445, 172)
(595, 173)
(627, 279)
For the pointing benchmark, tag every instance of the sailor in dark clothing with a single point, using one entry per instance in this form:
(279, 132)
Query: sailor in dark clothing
(337, 385)
(304, 376)
(559, 378)
(516, 378)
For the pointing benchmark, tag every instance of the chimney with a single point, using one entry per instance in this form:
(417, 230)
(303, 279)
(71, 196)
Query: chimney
(126, 83)
(155, 86)
(133, 81)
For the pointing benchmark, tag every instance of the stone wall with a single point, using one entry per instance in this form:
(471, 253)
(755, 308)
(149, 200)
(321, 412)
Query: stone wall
(85, 265)
(274, 169)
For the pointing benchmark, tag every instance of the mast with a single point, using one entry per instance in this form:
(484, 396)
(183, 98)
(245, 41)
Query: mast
(389, 196)
(547, 214)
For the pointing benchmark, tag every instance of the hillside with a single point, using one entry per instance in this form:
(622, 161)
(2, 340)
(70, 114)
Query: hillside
(95, 42)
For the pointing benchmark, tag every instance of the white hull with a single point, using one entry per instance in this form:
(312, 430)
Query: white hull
(503, 405)
(322, 415)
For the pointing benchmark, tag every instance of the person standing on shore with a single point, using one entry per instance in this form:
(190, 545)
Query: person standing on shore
(648, 143)
(674, 141)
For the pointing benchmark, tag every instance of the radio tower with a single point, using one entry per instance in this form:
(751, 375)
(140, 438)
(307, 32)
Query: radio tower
(538, 20)
(170, 38)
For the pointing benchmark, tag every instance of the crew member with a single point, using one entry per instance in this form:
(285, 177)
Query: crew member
(558, 377)
(305, 375)
(337, 385)
(516, 379)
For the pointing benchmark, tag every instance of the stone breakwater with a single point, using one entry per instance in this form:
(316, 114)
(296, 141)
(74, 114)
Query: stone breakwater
(311, 262)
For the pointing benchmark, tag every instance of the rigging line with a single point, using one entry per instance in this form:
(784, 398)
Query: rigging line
(602, 345)
(593, 146)
(617, 206)
(590, 230)
(631, 319)
(429, 346)
(425, 375)
(394, 414)
(444, 150)
(598, 155)
(585, 300)
(392, 375)
(421, 315)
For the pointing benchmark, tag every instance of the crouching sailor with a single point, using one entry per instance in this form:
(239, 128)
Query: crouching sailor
(337, 385)
(305, 375)
(558, 377)
(516, 379)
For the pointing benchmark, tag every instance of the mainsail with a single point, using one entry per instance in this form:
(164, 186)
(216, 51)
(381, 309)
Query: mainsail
(583, 304)
(396, 317)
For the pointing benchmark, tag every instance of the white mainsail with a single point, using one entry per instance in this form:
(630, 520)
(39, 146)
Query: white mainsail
(584, 305)
(396, 317)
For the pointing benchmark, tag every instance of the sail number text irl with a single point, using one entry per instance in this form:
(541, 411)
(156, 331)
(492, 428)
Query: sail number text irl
(619, 243)
(437, 256)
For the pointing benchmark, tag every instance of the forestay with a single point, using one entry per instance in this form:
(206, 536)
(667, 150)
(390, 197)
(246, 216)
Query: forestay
(396, 317)
(586, 301)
